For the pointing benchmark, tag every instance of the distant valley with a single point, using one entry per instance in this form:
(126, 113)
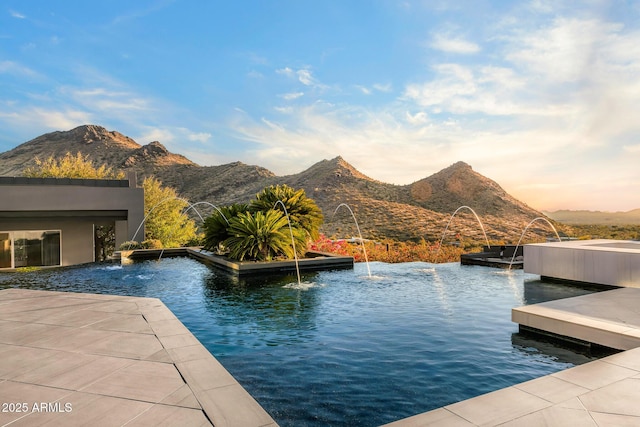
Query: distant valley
(596, 217)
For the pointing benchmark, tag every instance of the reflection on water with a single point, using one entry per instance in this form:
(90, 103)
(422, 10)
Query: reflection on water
(537, 291)
(345, 348)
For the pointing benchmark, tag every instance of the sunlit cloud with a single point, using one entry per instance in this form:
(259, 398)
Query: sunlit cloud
(536, 96)
(632, 148)
(490, 114)
(163, 135)
(199, 137)
(418, 118)
(45, 120)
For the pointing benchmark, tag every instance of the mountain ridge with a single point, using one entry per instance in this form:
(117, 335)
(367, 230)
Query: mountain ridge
(587, 217)
(401, 212)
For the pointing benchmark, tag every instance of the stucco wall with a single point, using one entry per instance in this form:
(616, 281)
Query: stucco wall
(73, 209)
(69, 198)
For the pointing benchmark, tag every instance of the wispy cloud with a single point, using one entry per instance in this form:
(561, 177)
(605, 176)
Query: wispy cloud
(292, 95)
(199, 137)
(16, 14)
(140, 12)
(453, 44)
(12, 67)
(377, 87)
(387, 87)
(286, 71)
(175, 138)
(632, 148)
(43, 119)
(561, 93)
(302, 75)
(529, 94)
(306, 78)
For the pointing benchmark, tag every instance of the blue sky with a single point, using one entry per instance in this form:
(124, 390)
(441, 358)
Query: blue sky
(541, 96)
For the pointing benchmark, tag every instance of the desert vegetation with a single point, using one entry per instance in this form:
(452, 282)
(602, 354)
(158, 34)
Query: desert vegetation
(268, 228)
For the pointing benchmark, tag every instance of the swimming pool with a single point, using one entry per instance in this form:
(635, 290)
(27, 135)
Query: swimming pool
(345, 348)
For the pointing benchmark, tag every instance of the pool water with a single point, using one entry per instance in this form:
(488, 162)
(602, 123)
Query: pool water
(345, 348)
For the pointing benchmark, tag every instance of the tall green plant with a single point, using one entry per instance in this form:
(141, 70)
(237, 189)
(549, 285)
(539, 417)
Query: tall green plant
(70, 166)
(259, 235)
(80, 166)
(167, 221)
(303, 211)
(216, 226)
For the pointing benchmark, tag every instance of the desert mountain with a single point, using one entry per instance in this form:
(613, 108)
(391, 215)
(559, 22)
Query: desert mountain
(403, 212)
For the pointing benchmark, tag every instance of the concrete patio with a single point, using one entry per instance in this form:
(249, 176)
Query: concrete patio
(71, 359)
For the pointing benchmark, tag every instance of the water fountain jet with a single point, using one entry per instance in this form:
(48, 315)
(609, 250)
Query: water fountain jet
(293, 242)
(525, 230)
(449, 223)
(364, 249)
(193, 206)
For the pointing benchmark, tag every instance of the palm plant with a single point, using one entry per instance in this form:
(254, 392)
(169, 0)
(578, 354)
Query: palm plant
(303, 212)
(260, 235)
(216, 226)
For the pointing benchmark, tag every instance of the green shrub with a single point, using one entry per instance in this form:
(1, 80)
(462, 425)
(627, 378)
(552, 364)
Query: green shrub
(130, 245)
(151, 244)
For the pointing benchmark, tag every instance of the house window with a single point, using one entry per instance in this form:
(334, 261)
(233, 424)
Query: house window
(29, 248)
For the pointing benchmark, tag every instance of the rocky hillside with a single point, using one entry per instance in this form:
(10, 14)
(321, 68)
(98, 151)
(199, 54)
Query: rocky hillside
(402, 212)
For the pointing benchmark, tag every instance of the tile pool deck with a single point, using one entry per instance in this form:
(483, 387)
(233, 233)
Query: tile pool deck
(72, 359)
(117, 361)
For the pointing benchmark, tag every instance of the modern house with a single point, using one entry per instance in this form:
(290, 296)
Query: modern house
(52, 221)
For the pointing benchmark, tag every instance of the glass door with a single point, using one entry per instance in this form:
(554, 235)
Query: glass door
(5, 250)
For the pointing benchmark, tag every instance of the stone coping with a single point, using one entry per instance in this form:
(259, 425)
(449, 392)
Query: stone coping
(84, 359)
(313, 261)
(609, 318)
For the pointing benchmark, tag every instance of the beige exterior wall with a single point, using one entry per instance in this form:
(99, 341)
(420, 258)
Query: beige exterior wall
(73, 209)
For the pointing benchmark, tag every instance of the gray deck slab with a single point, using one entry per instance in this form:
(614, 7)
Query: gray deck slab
(104, 360)
(610, 318)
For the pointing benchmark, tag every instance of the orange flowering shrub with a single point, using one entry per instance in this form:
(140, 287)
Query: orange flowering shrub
(393, 251)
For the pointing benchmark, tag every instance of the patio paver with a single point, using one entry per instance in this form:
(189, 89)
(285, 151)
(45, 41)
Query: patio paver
(72, 359)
